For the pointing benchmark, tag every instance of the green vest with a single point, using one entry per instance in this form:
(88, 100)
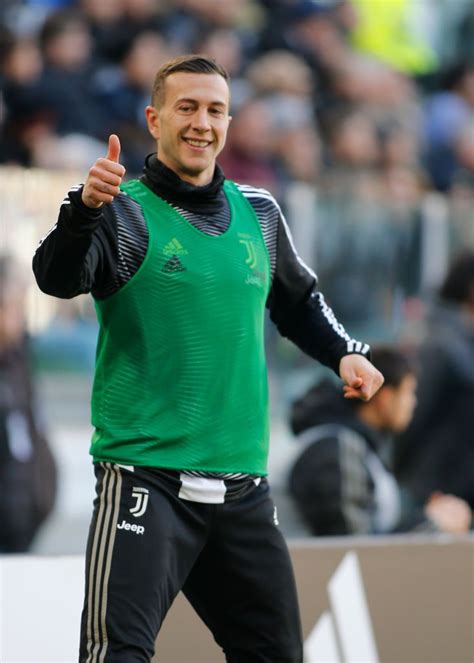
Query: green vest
(180, 377)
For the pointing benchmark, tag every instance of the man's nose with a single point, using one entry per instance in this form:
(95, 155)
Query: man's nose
(201, 120)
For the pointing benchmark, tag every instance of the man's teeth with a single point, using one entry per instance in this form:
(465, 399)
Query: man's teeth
(197, 143)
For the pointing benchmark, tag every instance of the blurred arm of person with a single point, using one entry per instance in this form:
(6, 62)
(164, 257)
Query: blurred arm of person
(450, 514)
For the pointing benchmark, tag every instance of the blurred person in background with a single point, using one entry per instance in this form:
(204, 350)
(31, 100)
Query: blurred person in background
(249, 155)
(27, 467)
(113, 24)
(437, 450)
(448, 113)
(393, 33)
(20, 71)
(311, 30)
(124, 91)
(31, 128)
(107, 26)
(226, 46)
(340, 481)
(284, 82)
(67, 78)
(65, 127)
(182, 264)
(188, 19)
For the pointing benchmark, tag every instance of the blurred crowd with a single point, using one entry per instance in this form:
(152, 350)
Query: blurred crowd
(357, 114)
(320, 88)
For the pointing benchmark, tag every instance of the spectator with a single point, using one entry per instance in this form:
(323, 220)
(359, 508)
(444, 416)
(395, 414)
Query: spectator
(107, 27)
(447, 113)
(285, 82)
(388, 31)
(27, 468)
(437, 450)
(225, 45)
(20, 70)
(124, 91)
(340, 481)
(191, 17)
(66, 85)
(250, 151)
(352, 140)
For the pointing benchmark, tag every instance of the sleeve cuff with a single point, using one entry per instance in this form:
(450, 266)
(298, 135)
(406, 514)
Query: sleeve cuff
(83, 220)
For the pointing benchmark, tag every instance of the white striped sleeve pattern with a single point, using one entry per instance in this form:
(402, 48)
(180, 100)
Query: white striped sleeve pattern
(352, 346)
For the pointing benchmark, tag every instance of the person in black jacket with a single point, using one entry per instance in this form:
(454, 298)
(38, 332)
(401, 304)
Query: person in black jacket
(28, 474)
(340, 481)
(437, 449)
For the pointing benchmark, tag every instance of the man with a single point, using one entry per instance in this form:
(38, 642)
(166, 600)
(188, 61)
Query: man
(181, 264)
(340, 482)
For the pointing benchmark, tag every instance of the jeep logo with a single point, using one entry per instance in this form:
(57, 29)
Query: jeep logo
(138, 529)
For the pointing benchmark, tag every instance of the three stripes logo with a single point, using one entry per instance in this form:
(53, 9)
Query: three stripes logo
(141, 495)
(357, 346)
(174, 248)
(343, 634)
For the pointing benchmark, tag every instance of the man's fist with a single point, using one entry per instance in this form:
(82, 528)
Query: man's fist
(104, 178)
(361, 378)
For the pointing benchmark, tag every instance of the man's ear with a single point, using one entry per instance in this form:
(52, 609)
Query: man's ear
(153, 121)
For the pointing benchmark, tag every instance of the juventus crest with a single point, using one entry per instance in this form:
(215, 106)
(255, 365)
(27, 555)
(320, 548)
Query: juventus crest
(141, 495)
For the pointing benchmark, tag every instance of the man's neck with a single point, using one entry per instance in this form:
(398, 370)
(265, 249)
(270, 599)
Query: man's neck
(206, 199)
(370, 416)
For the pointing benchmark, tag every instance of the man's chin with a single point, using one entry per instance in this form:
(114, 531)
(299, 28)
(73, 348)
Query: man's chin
(197, 167)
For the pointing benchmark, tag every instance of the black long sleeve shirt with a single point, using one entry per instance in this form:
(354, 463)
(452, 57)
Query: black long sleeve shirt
(99, 250)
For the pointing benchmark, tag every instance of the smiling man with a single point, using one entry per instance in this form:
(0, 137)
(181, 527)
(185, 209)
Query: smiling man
(190, 130)
(181, 264)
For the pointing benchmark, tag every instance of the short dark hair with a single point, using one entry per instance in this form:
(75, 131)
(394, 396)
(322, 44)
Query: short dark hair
(394, 364)
(458, 286)
(194, 64)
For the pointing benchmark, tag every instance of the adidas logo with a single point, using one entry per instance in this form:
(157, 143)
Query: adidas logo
(174, 264)
(345, 631)
(174, 248)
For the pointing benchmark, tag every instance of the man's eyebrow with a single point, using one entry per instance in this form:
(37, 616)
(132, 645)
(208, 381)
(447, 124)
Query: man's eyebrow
(195, 101)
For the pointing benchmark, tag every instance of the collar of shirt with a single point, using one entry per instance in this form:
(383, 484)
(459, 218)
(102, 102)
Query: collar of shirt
(207, 199)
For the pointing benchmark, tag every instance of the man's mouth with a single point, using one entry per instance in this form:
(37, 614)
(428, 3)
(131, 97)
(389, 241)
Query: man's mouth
(195, 142)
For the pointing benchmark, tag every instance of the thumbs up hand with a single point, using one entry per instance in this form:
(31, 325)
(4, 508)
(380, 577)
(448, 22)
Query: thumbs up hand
(104, 178)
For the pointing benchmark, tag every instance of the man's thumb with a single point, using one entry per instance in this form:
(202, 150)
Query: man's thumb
(113, 152)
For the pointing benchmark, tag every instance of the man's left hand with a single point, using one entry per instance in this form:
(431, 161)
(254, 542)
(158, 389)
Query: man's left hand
(361, 378)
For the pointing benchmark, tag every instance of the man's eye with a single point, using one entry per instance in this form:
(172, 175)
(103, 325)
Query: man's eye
(185, 109)
(216, 111)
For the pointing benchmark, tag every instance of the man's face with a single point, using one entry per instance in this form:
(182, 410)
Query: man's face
(399, 404)
(191, 125)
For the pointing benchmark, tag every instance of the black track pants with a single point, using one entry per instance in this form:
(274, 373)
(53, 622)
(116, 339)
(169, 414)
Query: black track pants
(231, 561)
